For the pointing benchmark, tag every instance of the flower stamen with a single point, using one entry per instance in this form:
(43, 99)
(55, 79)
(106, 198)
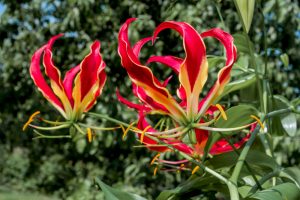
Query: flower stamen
(154, 159)
(223, 114)
(89, 135)
(258, 121)
(155, 171)
(195, 169)
(143, 133)
(31, 118)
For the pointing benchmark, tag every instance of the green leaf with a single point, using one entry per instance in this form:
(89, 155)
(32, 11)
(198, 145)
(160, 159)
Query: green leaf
(214, 61)
(285, 59)
(286, 191)
(256, 159)
(114, 194)
(246, 10)
(193, 186)
(291, 173)
(286, 123)
(240, 41)
(238, 84)
(237, 116)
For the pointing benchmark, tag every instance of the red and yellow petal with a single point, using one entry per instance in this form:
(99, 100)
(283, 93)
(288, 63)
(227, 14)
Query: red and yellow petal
(143, 77)
(55, 76)
(224, 74)
(193, 70)
(68, 82)
(89, 81)
(40, 82)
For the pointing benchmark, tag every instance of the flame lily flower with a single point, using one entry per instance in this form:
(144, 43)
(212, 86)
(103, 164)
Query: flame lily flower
(190, 115)
(79, 89)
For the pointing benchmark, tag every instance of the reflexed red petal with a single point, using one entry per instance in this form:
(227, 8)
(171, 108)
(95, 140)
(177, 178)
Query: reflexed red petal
(143, 76)
(129, 103)
(102, 78)
(193, 70)
(91, 66)
(224, 74)
(222, 146)
(167, 81)
(193, 44)
(141, 94)
(170, 61)
(51, 71)
(138, 46)
(182, 147)
(39, 80)
(68, 82)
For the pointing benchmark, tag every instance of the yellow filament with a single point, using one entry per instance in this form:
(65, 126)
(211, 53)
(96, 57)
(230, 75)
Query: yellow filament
(195, 169)
(31, 118)
(258, 121)
(127, 130)
(143, 133)
(222, 111)
(89, 135)
(154, 159)
(155, 171)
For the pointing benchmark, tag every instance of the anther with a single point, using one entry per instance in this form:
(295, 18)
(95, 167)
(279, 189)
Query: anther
(195, 169)
(258, 121)
(220, 108)
(143, 133)
(155, 171)
(89, 135)
(154, 159)
(31, 118)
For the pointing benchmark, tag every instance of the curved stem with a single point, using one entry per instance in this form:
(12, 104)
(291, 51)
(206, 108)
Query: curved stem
(98, 128)
(100, 116)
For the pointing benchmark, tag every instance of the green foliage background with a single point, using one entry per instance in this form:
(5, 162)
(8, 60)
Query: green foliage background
(62, 169)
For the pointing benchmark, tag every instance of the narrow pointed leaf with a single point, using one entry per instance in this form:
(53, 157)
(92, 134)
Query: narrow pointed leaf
(114, 194)
(246, 10)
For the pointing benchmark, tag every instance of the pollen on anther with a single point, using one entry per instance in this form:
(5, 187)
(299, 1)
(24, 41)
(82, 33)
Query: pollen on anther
(220, 108)
(89, 135)
(155, 171)
(258, 121)
(143, 133)
(31, 118)
(195, 169)
(154, 159)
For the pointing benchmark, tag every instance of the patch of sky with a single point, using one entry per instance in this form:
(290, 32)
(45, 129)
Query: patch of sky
(2, 8)
(297, 34)
(71, 34)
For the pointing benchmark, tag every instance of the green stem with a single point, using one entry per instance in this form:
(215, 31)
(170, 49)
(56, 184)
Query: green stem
(98, 128)
(246, 163)
(263, 180)
(100, 116)
(220, 16)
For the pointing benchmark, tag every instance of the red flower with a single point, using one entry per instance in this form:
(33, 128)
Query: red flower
(79, 89)
(190, 114)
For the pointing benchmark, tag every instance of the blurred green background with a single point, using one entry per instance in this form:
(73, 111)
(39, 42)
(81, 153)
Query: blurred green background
(63, 169)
